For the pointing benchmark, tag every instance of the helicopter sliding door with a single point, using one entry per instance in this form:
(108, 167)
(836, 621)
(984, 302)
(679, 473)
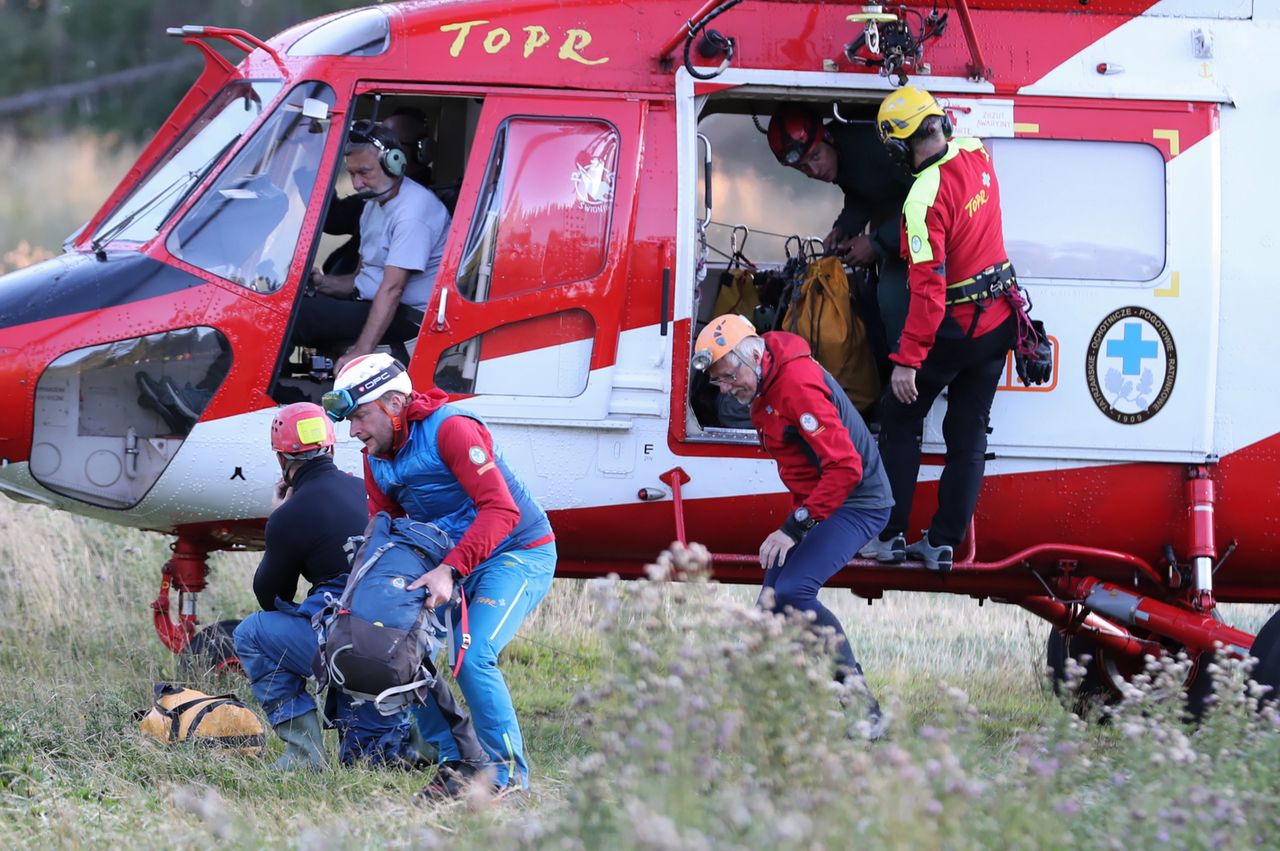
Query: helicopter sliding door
(524, 321)
(1112, 217)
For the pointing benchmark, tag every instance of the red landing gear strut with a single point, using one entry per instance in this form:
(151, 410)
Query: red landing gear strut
(187, 571)
(1201, 546)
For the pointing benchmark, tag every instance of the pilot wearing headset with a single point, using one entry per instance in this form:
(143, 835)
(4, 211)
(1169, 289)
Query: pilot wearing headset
(410, 126)
(403, 228)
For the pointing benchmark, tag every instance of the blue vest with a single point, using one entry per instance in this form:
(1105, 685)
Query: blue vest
(418, 479)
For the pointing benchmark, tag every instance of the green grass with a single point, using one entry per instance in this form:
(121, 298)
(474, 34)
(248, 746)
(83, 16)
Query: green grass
(78, 656)
(59, 184)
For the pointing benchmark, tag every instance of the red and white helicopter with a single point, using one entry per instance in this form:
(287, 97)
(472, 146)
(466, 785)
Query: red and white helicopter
(1122, 502)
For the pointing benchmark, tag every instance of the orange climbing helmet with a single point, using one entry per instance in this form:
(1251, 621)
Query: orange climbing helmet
(720, 337)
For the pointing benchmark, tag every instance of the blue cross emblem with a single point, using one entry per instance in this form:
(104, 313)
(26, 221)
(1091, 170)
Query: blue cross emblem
(1132, 350)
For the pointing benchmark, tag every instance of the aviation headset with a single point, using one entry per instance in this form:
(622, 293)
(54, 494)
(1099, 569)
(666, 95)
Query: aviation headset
(899, 150)
(419, 151)
(390, 156)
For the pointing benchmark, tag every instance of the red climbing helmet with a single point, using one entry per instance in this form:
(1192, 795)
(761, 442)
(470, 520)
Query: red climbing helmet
(300, 427)
(794, 131)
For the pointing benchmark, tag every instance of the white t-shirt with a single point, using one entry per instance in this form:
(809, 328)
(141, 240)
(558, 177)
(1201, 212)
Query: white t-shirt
(409, 232)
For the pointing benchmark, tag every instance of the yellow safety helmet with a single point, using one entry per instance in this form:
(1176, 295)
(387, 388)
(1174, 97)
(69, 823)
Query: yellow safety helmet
(719, 338)
(903, 110)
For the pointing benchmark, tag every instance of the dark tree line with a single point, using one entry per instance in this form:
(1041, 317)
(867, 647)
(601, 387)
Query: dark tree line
(52, 45)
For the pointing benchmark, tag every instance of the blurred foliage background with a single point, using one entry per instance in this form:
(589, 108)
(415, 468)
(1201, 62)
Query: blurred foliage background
(59, 56)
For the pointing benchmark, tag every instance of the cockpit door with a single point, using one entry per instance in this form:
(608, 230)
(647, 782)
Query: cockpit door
(524, 321)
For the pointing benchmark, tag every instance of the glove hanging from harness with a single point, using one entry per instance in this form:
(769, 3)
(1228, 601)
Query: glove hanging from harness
(1032, 349)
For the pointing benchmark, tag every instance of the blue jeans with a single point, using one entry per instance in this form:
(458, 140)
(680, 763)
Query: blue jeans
(276, 650)
(501, 592)
(821, 554)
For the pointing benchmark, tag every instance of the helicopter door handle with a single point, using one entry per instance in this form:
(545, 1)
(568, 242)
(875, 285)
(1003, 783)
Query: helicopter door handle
(131, 453)
(440, 324)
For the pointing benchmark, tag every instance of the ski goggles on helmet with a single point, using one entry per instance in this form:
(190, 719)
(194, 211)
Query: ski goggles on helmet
(340, 404)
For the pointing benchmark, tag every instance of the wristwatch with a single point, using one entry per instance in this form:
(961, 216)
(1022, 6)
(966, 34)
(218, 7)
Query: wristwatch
(799, 522)
(802, 518)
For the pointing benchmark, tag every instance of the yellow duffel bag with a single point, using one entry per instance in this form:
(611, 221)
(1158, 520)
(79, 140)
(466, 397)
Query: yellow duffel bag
(185, 715)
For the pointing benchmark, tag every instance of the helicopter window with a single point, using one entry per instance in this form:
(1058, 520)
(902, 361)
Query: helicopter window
(544, 209)
(196, 151)
(365, 32)
(245, 228)
(1101, 218)
(109, 418)
(543, 356)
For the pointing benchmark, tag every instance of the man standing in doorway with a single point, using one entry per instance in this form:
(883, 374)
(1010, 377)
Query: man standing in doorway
(960, 325)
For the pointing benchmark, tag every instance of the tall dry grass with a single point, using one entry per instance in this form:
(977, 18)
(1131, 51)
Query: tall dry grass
(604, 710)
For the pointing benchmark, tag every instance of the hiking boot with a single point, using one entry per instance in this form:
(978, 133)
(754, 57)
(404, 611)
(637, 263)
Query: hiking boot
(853, 692)
(877, 723)
(453, 778)
(892, 551)
(934, 558)
(304, 742)
(187, 400)
(151, 393)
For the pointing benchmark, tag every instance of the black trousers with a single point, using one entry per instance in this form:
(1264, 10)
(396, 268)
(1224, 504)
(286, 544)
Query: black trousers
(970, 368)
(332, 324)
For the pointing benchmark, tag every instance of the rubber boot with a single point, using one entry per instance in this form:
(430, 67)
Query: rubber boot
(304, 742)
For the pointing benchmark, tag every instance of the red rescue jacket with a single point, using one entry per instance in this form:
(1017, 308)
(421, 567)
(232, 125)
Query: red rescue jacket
(824, 452)
(952, 230)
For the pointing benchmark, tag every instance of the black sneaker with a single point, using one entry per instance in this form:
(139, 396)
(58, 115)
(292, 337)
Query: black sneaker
(877, 724)
(189, 401)
(150, 398)
(451, 782)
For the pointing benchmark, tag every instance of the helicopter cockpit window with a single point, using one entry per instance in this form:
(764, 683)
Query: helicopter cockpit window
(365, 32)
(544, 209)
(109, 418)
(195, 152)
(245, 228)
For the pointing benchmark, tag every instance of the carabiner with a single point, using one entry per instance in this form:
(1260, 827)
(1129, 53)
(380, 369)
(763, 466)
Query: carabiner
(786, 246)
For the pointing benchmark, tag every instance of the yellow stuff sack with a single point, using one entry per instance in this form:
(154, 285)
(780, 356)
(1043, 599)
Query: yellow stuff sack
(822, 313)
(737, 293)
(185, 715)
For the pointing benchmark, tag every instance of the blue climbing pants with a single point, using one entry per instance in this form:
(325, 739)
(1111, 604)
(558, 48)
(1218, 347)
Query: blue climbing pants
(500, 592)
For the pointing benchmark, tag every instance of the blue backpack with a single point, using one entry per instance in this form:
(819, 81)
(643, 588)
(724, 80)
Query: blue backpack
(377, 640)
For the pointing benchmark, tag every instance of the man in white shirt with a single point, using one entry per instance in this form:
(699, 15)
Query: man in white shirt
(403, 230)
